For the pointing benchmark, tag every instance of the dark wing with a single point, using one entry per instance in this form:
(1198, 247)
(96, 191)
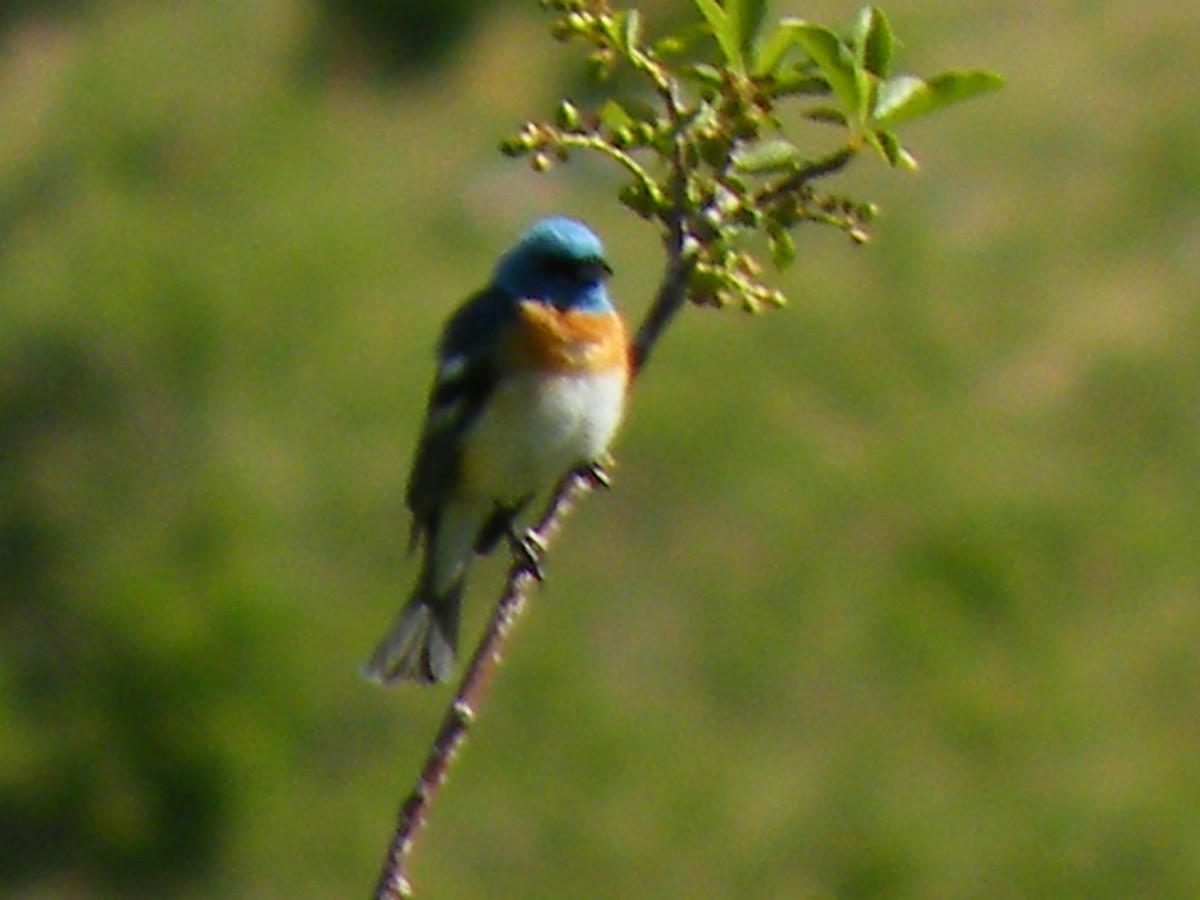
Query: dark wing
(467, 374)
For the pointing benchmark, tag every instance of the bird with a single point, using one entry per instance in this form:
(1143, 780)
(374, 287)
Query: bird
(531, 382)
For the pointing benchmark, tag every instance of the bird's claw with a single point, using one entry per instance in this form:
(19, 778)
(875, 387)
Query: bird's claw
(529, 548)
(597, 474)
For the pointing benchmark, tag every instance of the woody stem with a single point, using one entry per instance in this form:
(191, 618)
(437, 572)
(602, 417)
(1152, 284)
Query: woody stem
(524, 574)
(393, 881)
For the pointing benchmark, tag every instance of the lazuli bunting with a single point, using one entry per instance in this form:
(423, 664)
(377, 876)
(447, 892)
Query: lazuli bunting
(531, 381)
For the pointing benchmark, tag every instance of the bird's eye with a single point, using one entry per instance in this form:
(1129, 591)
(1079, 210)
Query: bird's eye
(560, 266)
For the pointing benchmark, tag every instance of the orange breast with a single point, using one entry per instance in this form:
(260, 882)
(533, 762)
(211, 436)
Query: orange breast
(569, 341)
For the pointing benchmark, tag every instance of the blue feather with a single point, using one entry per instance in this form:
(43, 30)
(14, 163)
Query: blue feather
(558, 261)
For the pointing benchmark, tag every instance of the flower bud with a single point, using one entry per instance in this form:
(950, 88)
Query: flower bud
(567, 116)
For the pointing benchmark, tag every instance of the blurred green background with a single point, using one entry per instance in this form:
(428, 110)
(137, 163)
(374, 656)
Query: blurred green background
(898, 592)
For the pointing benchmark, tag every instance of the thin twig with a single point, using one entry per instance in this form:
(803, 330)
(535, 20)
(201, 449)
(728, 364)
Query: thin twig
(811, 171)
(616, 154)
(672, 296)
(393, 880)
(672, 292)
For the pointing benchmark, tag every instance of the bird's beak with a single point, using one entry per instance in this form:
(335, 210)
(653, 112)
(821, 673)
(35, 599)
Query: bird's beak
(601, 269)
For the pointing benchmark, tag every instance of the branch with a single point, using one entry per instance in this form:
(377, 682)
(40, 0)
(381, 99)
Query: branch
(672, 295)
(681, 258)
(616, 154)
(393, 881)
(820, 168)
(704, 210)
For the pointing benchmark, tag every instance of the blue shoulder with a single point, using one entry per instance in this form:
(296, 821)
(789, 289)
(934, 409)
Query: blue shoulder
(474, 327)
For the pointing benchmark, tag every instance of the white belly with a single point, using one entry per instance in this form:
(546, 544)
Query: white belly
(536, 428)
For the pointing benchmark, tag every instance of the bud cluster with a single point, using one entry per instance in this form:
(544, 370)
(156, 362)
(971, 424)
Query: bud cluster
(709, 160)
(590, 21)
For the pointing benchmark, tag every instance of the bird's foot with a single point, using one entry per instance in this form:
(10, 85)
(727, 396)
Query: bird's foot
(597, 473)
(529, 548)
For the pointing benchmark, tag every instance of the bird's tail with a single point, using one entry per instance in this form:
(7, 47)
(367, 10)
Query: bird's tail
(420, 646)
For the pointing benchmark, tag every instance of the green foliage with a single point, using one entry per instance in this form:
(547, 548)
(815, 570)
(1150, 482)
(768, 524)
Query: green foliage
(735, 26)
(712, 163)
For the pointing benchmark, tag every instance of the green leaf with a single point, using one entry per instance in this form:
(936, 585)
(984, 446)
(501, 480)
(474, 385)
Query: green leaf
(747, 18)
(640, 109)
(773, 155)
(705, 74)
(798, 81)
(890, 148)
(907, 97)
(725, 29)
(836, 63)
(954, 87)
(783, 247)
(773, 52)
(614, 116)
(872, 40)
(627, 30)
(827, 115)
(900, 97)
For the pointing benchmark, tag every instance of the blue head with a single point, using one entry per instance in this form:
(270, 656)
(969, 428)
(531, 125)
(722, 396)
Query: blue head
(559, 261)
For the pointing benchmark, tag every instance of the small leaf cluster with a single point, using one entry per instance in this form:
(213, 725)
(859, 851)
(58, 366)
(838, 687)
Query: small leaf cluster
(705, 148)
